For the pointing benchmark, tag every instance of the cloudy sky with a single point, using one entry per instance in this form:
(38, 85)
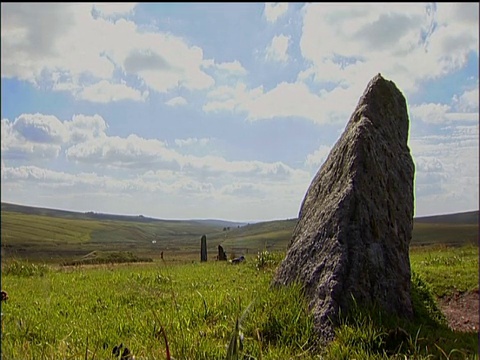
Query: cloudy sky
(227, 111)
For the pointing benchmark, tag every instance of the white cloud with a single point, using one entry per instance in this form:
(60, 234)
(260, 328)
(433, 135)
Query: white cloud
(225, 73)
(467, 102)
(83, 127)
(439, 114)
(130, 152)
(277, 50)
(138, 153)
(176, 101)
(61, 45)
(273, 11)
(233, 67)
(108, 9)
(37, 135)
(105, 92)
(163, 61)
(243, 190)
(350, 43)
(40, 128)
(191, 141)
(176, 194)
(32, 136)
(430, 113)
(229, 98)
(446, 174)
(16, 147)
(285, 100)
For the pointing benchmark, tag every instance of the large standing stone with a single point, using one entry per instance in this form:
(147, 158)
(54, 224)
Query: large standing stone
(355, 222)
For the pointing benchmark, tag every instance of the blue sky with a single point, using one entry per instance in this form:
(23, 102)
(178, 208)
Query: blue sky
(227, 111)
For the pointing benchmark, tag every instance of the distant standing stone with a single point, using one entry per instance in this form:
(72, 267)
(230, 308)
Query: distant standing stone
(203, 248)
(355, 222)
(222, 256)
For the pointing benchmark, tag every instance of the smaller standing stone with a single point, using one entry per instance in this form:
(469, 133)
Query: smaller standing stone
(222, 256)
(203, 249)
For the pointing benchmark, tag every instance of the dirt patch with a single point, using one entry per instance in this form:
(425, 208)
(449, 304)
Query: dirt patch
(461, 310)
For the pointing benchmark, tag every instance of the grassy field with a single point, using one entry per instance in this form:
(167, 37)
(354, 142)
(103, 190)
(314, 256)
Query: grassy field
(55, 236)
(84, 312)
(46, 237)
(190, 309)
(447, 269)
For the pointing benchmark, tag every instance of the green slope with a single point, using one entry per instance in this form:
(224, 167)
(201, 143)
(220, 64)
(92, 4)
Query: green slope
(36, 232)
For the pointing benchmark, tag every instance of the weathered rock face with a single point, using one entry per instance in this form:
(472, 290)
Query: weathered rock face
(355, 222)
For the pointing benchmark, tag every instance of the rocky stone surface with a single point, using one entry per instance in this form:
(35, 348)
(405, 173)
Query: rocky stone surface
(355, 222)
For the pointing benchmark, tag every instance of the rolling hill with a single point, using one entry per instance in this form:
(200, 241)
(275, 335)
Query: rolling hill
(41, 233)
(469, 217)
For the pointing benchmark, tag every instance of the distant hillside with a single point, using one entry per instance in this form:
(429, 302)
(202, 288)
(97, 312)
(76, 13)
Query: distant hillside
(41, 233)
(73, 214)
(221, 223)
(100, 216)
(469, 217)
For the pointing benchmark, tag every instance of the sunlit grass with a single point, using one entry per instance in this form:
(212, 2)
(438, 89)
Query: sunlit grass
(201, 310)
(447, 269)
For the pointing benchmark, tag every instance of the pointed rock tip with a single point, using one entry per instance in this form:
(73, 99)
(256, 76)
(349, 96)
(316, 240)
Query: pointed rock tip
(377, 78)
(376, 82)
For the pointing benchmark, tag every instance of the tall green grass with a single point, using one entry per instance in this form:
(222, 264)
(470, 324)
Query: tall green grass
(212, 310)
(196, 305)
(447, 269)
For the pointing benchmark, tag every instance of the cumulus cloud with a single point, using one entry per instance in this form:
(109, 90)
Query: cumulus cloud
(176, 101)
(175, 193)
(191, 141)
(134, 152)
(225, 72)
(277, 50)
(58, 46)
(273, 11)
(233, 67)
(40, 128)
(83, 127)
(350, 43)
(14, 145)
(440, 114)
(108, 9)
(32, 136)
(130, 152)
(446, 174)
(285, 100)
(243, 190)
(231, 98)
(467, 101)
(138, 153)
(105, 92)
